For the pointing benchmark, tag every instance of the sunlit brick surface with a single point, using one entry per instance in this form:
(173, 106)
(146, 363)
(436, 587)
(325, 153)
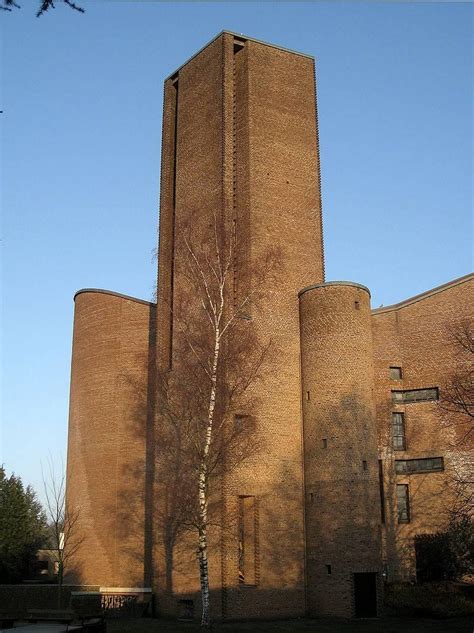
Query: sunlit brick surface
(108, 421)
(340, 445)
(418, 337)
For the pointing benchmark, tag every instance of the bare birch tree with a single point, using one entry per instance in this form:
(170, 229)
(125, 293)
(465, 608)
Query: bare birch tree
(216, 358)
(62, 521)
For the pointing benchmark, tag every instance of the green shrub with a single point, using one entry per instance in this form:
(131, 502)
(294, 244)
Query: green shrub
(446, 555)
(438, 600)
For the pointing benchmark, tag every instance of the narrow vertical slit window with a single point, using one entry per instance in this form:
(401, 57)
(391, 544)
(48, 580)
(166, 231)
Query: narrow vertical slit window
(328, 570)
(308, 396)
(364, 464)
(173, 226)
(237, 47)
(324, 442)
(382, 492)
(398, 431)
(403, 503)
(247, 540)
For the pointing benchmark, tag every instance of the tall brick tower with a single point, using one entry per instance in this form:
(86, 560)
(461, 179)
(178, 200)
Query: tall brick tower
(240, 140)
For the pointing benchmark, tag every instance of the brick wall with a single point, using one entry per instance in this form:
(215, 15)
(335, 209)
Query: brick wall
(417, 336)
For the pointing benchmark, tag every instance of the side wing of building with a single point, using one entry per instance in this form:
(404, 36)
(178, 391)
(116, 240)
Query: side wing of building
(422, 450)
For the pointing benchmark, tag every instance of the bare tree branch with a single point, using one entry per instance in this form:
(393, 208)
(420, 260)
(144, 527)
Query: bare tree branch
(49, 4)
(217, 357)
(63, 520)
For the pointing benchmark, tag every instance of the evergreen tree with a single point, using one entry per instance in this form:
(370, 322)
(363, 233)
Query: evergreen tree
(22, 528)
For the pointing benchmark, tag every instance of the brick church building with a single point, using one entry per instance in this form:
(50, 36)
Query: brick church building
(356, 460)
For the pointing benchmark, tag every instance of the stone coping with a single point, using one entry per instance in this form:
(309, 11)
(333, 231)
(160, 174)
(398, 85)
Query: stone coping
(242, 37)
(113, 294)
(424, 295)
(333, 283)
(125, 590)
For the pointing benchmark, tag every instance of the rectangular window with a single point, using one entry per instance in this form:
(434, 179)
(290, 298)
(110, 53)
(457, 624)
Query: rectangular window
(403, 503)
(396, 373)
(398, 432)
(415, 395)
(425, 465)
(247, 540)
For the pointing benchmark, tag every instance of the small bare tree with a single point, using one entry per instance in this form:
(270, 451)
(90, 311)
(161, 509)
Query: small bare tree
(457, 397)
(217, 356)
(62, 521)
(456, 412)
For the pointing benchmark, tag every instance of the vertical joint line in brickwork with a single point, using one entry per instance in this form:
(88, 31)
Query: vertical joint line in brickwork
(239, 44)
(224, 211)
(236, 48)
(319, 171)
(173, 220)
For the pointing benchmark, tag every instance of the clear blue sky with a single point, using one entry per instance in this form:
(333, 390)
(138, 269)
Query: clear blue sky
(82, 101)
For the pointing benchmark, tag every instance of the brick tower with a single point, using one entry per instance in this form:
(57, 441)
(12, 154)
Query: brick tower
(240, 140)
(340, 451)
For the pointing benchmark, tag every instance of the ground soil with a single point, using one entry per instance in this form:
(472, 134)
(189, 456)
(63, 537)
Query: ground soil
(379, 625)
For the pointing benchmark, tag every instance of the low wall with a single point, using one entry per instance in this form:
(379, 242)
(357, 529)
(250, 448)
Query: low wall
(16, 600)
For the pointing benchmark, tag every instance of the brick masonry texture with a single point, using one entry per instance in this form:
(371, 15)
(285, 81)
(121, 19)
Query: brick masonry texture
(417, 336)
(240, 142)
(108, 420)
(340, 445)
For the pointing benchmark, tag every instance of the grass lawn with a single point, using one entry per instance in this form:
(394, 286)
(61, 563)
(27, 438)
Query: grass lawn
(304, 625)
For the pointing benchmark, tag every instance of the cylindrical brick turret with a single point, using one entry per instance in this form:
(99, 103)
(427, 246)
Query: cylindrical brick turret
(340, 450)
(110, 422)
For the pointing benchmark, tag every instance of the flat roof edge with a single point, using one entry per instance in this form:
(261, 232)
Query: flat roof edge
(333, 283)
(424, 295)
(244, 37)
(113, 294)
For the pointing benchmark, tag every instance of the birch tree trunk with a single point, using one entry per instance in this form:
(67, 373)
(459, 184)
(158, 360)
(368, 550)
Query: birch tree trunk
(203, 488)
(209, 318)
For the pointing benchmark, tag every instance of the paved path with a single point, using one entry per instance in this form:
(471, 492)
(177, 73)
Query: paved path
(46, 628)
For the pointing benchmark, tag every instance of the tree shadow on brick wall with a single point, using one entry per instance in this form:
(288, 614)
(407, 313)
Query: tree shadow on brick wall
(431, 496)
(133, 514)
(343, 511)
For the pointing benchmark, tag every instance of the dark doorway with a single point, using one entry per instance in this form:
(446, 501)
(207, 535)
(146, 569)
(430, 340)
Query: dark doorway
(365, 595)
